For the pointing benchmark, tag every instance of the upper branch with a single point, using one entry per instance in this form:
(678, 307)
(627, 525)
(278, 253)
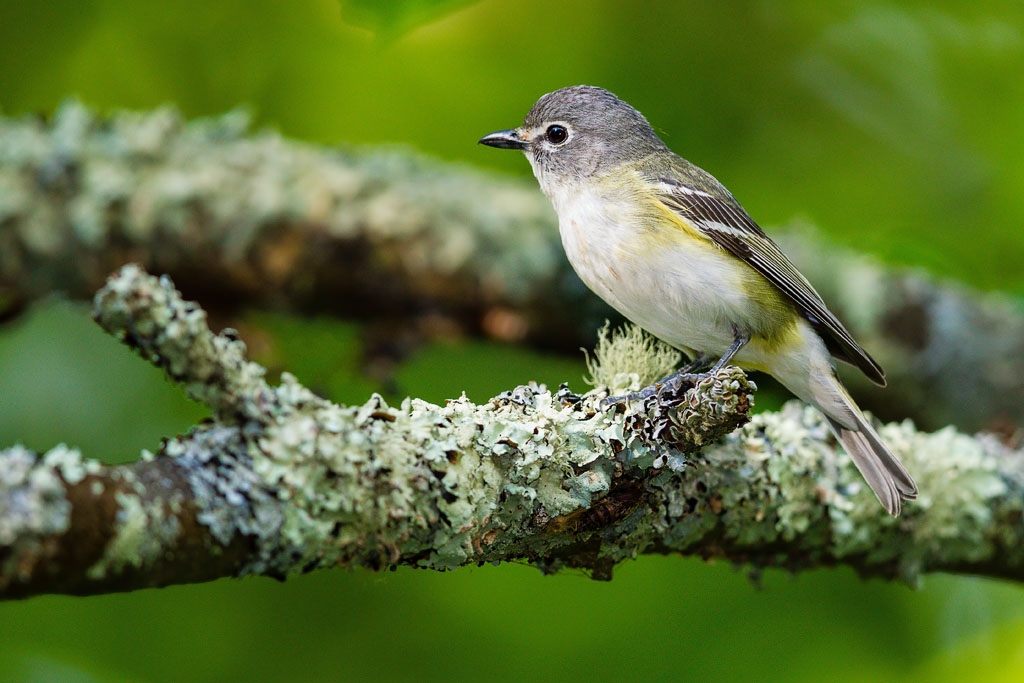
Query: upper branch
(235, 216)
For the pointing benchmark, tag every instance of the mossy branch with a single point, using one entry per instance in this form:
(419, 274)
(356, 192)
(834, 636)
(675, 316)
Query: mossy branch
(282, 482)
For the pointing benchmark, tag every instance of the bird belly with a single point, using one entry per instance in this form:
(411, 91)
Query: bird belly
(684, 290)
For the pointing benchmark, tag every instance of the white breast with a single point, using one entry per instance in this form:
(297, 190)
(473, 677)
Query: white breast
(683, 291)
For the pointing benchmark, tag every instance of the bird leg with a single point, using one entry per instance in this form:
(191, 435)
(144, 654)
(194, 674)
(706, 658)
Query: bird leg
(688, 372)
(739, 340)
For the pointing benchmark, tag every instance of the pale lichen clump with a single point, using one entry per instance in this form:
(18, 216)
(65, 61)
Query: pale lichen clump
(69, 464)
(33, 504)
(144, 531)
(628, 358)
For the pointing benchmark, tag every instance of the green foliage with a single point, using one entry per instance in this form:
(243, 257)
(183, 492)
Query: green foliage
(446, 369)
(396, 16)
(63, 380)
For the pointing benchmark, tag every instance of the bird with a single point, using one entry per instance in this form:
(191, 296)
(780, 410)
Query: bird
(669, 247)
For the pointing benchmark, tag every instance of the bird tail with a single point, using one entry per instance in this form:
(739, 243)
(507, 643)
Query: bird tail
(881, 469)
(808, 372)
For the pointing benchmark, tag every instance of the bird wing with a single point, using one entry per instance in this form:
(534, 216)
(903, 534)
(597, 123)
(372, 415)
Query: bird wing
(726, 224)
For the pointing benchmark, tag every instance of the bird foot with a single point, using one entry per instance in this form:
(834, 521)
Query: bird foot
(667, 386)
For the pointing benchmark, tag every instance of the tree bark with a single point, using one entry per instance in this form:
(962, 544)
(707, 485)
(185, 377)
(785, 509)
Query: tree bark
(281, 482)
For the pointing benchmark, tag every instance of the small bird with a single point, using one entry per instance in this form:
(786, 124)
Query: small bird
(666, 245)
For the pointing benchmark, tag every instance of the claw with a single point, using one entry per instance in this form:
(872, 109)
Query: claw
(663, 387)
(687, 373)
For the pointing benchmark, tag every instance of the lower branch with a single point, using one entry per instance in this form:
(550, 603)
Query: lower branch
(283, 482)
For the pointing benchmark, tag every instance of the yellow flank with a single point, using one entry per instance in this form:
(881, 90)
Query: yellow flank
(666, 215)
(771, 318)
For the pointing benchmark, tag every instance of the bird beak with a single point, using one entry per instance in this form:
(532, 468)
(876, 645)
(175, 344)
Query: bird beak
(504, 139)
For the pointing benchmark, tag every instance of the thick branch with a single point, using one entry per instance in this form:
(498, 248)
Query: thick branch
(285, 482)
(240, 217)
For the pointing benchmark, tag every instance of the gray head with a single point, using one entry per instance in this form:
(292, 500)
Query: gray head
(578, 132)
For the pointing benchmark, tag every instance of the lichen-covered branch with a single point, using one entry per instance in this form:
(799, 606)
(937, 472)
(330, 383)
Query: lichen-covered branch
(281, 481)
(239, 217)
(250, 218)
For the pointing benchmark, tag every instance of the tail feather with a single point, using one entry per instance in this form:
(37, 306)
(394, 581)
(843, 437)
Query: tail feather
(883, 472)
(808, 372)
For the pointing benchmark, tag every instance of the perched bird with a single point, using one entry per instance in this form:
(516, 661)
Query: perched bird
(666, 245)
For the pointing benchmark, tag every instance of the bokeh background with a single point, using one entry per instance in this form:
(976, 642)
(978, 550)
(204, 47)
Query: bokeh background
(896, 128)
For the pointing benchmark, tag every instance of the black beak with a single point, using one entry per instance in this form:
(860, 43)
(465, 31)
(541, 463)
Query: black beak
(504, 139)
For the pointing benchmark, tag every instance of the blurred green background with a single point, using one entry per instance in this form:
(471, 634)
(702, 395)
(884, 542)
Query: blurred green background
(895, 128)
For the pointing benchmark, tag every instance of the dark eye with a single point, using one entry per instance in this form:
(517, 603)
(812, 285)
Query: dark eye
(556, 135)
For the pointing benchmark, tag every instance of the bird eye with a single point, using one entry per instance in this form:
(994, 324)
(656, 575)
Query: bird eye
(556, 135)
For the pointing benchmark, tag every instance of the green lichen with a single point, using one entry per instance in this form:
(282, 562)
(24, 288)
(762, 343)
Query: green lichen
(148, 314)
(550, 476)
(375, 483)
(33, 501)
(627, 359)
(371, 483)
(143, 532)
